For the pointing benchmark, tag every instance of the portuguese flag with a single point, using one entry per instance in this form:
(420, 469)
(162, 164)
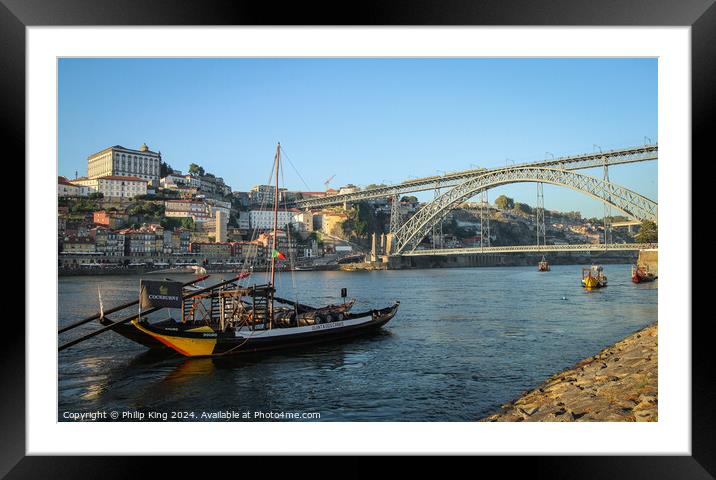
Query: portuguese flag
(279, 255)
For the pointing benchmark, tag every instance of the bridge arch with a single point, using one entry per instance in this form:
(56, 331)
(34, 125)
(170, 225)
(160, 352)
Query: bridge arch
(627, 201)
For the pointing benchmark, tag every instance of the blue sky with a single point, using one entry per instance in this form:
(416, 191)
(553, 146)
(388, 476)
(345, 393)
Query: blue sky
(362, 120)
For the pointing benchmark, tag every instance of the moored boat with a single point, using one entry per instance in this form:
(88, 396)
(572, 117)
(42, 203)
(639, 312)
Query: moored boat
(594, 277)
(543, 265)
(228, 318)
(641, 274)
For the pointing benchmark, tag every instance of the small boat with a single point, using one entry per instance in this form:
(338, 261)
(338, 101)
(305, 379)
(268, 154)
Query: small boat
(304, 268)
(543, 265)
(594, 277)
(179, 268)
(641, 274)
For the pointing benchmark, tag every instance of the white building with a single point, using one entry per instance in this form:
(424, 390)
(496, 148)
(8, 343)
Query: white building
(174, 180)
(262, 218)
(114, 186)
(67, 189)
(121, 161)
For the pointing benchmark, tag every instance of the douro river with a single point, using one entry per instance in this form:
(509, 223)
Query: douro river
(464, 341)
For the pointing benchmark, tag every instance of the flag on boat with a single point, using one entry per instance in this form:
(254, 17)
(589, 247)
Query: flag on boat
(279, 255)
(157, 293)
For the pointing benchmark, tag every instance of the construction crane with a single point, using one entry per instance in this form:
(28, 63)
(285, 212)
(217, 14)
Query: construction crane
(329, 181)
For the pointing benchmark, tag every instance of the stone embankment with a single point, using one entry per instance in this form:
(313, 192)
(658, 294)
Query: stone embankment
(619, 384)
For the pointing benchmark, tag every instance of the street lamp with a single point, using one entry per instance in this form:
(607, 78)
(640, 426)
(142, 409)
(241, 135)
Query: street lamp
(549, 153)
(597, 146)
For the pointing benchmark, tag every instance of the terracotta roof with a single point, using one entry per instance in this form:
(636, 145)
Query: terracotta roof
(64, 181)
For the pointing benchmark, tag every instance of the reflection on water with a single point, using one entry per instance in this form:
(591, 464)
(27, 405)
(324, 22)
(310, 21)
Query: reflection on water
(463, 342)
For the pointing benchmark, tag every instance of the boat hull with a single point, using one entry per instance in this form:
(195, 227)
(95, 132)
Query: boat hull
(591, 282)
(205, 342)
(132, 333)
(642, 278)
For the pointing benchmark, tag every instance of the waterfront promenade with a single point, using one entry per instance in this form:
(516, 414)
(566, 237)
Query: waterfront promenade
(619, 384)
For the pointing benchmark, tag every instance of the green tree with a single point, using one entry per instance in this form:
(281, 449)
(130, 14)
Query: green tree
(409, 199)
(187, 223)
(504, 203)
(523, 207)
(165, 169)
(196, 169)
(648, 232)
(95, 195)
(170, 223)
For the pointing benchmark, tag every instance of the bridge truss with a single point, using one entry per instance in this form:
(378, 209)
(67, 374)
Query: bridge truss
(574, 162)
(410, 233)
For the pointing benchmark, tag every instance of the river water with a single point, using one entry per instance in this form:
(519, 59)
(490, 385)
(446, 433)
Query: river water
(464, 341)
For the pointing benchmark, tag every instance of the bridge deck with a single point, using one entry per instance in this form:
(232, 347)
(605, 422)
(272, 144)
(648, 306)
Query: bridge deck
(590, 247)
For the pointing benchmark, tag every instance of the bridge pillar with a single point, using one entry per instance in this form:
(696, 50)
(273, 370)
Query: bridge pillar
(373, 249)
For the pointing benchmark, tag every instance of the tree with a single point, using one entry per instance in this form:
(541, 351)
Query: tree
(648, 232)
(409, 199)
(187, 223)
(504, 203)
(523, 207)
(170, 223)
(165, 169)
(196, 169)
(95, 195)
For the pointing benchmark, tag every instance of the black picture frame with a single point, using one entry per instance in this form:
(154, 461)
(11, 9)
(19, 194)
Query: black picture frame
(16, 15)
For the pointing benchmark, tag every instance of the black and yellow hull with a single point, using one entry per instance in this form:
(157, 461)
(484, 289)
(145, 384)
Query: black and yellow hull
(131, 332)
(204, 341)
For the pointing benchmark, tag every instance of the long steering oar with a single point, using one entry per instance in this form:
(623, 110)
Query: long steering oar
(117, 308)
(136, 315)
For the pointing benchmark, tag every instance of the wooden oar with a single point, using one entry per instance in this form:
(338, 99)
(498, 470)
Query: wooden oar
(132, 317)
(116, 309)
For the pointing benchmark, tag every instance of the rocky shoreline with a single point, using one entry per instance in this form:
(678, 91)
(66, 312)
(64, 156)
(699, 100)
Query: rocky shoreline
(619, 384)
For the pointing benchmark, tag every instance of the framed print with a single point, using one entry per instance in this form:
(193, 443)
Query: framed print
(413, 230)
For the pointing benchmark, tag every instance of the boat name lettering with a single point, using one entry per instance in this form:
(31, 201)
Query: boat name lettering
(164, 297)
(327, 325)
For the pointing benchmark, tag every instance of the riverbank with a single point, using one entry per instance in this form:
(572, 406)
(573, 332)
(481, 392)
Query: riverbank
(619, 384)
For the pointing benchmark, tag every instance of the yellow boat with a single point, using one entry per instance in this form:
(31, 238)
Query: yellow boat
(594, 277)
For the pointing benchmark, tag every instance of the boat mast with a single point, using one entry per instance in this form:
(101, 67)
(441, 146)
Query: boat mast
(274, 241)
(275, 217)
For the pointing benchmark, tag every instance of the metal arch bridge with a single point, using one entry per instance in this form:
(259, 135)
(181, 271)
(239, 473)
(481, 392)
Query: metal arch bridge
(410, 233)
(576, 162)
(587, 247)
